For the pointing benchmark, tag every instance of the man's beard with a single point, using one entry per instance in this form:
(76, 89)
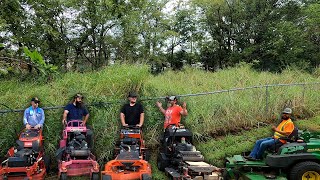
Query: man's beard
(78, 104)
(285, 117)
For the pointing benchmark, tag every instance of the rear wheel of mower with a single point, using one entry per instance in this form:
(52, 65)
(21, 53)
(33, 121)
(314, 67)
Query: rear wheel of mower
(95, 176)
(47, 162)
(161, 163)
(146, 155)
(146, 177)
(63, 176)
(305, 170)
(106, 177)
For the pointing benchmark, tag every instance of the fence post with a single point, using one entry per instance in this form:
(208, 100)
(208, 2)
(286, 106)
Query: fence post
(303, 92)
(267, 100)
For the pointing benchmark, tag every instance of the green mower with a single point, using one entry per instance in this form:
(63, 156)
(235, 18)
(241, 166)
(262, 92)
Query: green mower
(299, 159)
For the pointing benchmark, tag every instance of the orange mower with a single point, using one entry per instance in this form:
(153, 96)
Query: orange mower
(27, 160)
(131, 157)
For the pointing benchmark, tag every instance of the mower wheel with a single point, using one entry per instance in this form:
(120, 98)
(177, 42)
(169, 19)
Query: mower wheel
(106, 177)
(305, 170)
(146, 177)
(47, 162)
(95, 176)
(63, 176)
(161, 162)
(226, 175)
(146, 155)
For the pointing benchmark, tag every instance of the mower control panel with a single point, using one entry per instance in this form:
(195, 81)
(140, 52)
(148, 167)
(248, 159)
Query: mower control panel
(130, 131)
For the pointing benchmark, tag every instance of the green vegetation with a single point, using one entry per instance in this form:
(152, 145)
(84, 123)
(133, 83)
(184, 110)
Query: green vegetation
(90, 34)
(210, 116)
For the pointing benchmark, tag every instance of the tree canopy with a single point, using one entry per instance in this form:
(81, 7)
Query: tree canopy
(90, 34)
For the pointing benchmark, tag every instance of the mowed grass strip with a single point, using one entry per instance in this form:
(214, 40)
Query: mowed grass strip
(215, 150)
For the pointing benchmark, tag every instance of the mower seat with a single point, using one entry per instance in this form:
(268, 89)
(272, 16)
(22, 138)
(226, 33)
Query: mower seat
(35, 145)
(293, 137)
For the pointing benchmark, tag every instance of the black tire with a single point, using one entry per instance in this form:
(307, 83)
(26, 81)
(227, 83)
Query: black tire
(226, 175)
(95, 176)
(106, 177)
(146, 155)
(63, 176)
(47, 162)
(146, 177)
(115, 153)
(161, 163)
(300, 169)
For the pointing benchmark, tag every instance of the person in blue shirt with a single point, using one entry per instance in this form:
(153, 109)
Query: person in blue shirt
(34, 115)
(76, 110)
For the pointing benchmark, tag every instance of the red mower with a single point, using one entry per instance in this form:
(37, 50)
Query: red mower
(74, 155)
(131, 157)
(27, 160)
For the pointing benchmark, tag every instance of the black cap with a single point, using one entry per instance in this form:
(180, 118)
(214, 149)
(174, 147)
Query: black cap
(36, 100)
(132, 94)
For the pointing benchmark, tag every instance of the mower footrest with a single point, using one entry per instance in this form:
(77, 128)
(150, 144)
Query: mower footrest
(201, 169)
(193, 158)
(188, 153)
(172, 172)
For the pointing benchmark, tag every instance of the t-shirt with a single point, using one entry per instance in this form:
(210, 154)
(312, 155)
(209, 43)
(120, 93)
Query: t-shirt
(75, 113)
(286, 126)
(172, 116)
(33, 116)
(132, 113)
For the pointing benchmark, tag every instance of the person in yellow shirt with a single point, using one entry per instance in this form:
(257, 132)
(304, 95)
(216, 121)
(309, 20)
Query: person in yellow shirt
(283, 130)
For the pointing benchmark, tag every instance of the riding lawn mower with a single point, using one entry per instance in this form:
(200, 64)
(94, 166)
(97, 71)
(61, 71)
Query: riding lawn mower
(180, 160)
(75, 156)
(27, 160)
(298, 159)
(131, 157)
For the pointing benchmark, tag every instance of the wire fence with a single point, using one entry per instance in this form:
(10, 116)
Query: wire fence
(104, 104)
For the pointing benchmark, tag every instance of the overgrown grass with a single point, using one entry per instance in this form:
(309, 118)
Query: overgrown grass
(209, 116)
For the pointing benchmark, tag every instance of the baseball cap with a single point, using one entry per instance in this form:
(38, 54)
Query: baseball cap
(78, 96)
(35, 100)
(171, 98)
(132, 94)
(287, 111)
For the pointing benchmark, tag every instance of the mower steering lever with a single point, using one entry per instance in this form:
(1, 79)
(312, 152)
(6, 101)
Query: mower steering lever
(131, 127)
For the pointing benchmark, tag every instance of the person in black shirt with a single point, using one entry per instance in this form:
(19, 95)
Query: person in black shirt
(132, 113)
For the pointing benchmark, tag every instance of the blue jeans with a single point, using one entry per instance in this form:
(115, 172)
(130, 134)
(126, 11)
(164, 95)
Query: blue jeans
(261, 145)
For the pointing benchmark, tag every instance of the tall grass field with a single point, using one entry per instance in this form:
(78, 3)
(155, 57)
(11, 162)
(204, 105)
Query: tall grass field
(211, 117)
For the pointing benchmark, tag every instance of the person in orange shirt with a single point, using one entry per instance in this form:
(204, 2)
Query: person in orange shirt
(174, 111)
(283, 130)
